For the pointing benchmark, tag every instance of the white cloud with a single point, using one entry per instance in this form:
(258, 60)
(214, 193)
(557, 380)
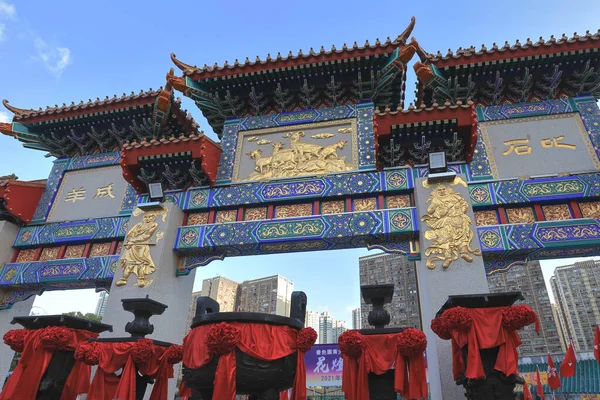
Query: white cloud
(7, 10)
(55, 58)
(4, 117)
(2, 32)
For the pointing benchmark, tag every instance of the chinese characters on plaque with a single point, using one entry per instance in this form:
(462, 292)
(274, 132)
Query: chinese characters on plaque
(89, 193)
(324, 365)
(79, 194)
(521, 147)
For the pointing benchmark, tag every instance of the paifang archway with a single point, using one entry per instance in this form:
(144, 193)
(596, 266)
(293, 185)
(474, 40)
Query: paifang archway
(317, 151)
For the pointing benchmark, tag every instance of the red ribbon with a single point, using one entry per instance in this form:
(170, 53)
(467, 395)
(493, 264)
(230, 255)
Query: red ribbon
(39, 348)
(261, 341)
(379, 354)
(157, 363)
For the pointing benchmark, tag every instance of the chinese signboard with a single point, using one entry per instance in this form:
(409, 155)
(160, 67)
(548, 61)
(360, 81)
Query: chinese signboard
(531, 378)
(89, 193)
(324, 365)
(532, 146)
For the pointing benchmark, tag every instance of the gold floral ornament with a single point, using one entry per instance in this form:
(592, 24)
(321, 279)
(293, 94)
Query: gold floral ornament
(450, 227)
(136, 258)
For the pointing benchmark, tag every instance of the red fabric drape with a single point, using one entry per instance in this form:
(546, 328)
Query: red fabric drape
(261, 341)
(486, 332)
(379, 354)
(25, 380)
(114, 356)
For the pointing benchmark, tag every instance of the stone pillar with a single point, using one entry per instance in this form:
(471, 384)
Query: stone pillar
(441, 208)
(8, 232)
(166, 287)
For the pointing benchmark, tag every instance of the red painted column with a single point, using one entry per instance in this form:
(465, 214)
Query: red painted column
(348, 204)
(575, 209)
(87, 250)
(113, 247)
(502, 215)
(62, 251)
(38, 254)
(270, 211)
(380, 202)
(211, 216)
(14, 256)
(539, 213)
(240, 214)
(316, 207)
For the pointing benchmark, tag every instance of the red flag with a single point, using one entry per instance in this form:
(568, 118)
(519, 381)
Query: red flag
(567, 368)
(553, 378)
(526, 392)
(597, 344)
(540, 388)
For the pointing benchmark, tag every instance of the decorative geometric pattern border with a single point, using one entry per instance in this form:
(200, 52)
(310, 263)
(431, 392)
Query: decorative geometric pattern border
(171, 196)
(522, 110)
(540, 240)
(71, 232)
(60, 274)
(535, 190)
(94, 160)
(590, 115)
(312, 188)
(297, 234)
(363, 112)
(52, 185)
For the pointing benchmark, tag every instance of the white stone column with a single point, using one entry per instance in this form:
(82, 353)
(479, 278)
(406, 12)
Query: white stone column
(435, 285)
(166, 287)
(8, 232)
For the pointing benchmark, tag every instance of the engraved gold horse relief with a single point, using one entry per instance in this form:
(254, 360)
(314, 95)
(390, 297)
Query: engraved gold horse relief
(301, 158)
(449, 226)
(136, 258)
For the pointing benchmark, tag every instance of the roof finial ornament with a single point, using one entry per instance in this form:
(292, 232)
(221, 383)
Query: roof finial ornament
(185, 68)
(403, 37)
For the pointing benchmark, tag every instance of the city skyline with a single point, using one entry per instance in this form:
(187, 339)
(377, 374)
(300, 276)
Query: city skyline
(298, 269)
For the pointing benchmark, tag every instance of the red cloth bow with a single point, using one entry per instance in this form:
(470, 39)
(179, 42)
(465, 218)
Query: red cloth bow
(38, 347)
(484, 328)
(363, 354)
(262, 341)
(143, 355)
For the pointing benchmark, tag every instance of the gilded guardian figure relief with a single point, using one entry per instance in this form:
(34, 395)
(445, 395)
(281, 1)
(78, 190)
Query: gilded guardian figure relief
(136, 258)
(449, 227)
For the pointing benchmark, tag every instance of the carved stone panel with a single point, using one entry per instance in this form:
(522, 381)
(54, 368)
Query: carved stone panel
(483, 218)
(532, 146)
(590, 210)
(557, 212)
(293, 210)
(89, 193)
(296, 150)
(520, 215)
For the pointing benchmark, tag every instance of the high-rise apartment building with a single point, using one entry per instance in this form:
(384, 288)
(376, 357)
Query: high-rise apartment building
(329, 329)
(528, 280)
(397, 269)
(576, 290)
(270, 295)
(219, 288)
(223, 290)
(325, 328)
(101, 304)
(339, 327)
(356, 318)
(312, 320)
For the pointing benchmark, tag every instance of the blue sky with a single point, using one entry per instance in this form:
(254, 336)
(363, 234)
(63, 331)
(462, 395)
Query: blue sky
(54, 52)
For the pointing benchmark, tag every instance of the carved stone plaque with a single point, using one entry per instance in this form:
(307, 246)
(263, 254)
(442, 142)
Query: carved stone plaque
(296, 150)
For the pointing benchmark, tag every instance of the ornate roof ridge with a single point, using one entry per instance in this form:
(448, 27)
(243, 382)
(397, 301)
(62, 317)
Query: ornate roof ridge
(20, 113)
(157, 142)
(421, 108)
(188, 69)
(472, 51)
